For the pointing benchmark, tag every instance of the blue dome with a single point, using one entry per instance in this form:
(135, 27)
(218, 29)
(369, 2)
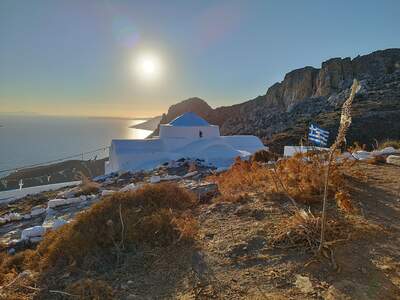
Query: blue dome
(189, 119)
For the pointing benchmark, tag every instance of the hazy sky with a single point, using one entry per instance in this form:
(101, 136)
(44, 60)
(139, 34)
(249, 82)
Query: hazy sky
(77, 57)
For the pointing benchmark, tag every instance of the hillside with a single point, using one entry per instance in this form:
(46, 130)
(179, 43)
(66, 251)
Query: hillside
(309, 94)
(231, 235)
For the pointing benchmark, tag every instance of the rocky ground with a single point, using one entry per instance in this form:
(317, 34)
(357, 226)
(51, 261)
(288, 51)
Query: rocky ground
(234, 256)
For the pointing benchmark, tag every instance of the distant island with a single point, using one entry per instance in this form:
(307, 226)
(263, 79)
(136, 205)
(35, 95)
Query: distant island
(150, 124)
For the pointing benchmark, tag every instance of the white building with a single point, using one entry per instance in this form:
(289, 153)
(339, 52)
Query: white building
(188, 136)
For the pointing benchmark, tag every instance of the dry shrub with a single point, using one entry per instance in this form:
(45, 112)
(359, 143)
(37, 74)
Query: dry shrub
(301, 177)
(343, 201)
(264, 156)
(88, 187)
(376, 160)
(91, 289)
(302, 231)
(122, 220)
(153, 217)
(390, 143)
(356, 147)
(243, 177)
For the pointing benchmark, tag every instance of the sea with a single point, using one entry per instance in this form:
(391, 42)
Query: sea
(29, 140)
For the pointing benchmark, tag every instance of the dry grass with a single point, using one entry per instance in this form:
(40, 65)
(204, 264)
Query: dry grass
(302, 230)
(88, 187)
(97, 240)
(301, 177)
(390, 143)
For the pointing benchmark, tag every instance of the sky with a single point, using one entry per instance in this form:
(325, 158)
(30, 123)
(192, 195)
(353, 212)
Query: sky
(80, 58)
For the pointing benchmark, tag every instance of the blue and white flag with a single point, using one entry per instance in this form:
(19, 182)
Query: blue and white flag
(318, 135)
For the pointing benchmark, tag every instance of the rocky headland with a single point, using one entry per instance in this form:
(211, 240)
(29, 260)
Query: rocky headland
(282, 115)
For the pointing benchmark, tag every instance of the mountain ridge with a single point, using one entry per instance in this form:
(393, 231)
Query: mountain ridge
(309, 94)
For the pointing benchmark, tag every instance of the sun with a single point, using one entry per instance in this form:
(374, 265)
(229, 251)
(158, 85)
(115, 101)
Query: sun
(148, 66)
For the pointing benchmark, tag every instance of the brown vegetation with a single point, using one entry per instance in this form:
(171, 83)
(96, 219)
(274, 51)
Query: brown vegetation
(390, 143)
(88, 186)
(98, 240)
(301, 177)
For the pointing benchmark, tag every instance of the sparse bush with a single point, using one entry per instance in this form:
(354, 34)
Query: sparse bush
(150, 218)
(390, 143)
(301, 177)
(131, 219)
(88, 187)
(302, 230)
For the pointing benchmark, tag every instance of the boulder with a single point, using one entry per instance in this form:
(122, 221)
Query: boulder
(304, 284)
(37, 210)
(393, 159)
(106, 192)
(170, 177)
(60, 202)
(205, 191)
(129, 187)
(190, 174)
(362, 155)
(155, 179)
(33, 232)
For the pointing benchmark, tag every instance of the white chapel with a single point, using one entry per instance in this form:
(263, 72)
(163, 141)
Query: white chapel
(187, 136)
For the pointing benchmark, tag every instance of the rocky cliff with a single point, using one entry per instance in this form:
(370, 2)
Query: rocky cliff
(282, 115)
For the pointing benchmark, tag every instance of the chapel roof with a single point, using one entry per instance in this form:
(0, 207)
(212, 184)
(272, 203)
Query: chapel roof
(189, 119)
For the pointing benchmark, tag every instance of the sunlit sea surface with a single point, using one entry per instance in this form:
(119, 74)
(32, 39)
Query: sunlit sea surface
(36, 139)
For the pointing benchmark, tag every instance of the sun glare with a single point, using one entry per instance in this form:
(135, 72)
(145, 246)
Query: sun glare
(148, 67)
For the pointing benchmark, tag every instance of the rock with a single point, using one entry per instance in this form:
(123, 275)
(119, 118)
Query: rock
(106, 192)
(2, 221)
(155, 179)
(37, 210)
(60, 202)
(129, 187)
(68, 193)
(258, 214)
(385, 151)
(35, 239)
(54, 223)
(362, 155)
(83, 197)
(32, 232)
(170, 177)
(205, 191)
(11, 251)
(393, 159)
(27, 216)
(304, 284)
(13, 217)
(190, 174)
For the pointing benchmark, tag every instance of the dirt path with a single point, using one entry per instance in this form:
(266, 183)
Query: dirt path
(236, 260)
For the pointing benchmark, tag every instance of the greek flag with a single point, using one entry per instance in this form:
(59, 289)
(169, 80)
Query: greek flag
(318, 135)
